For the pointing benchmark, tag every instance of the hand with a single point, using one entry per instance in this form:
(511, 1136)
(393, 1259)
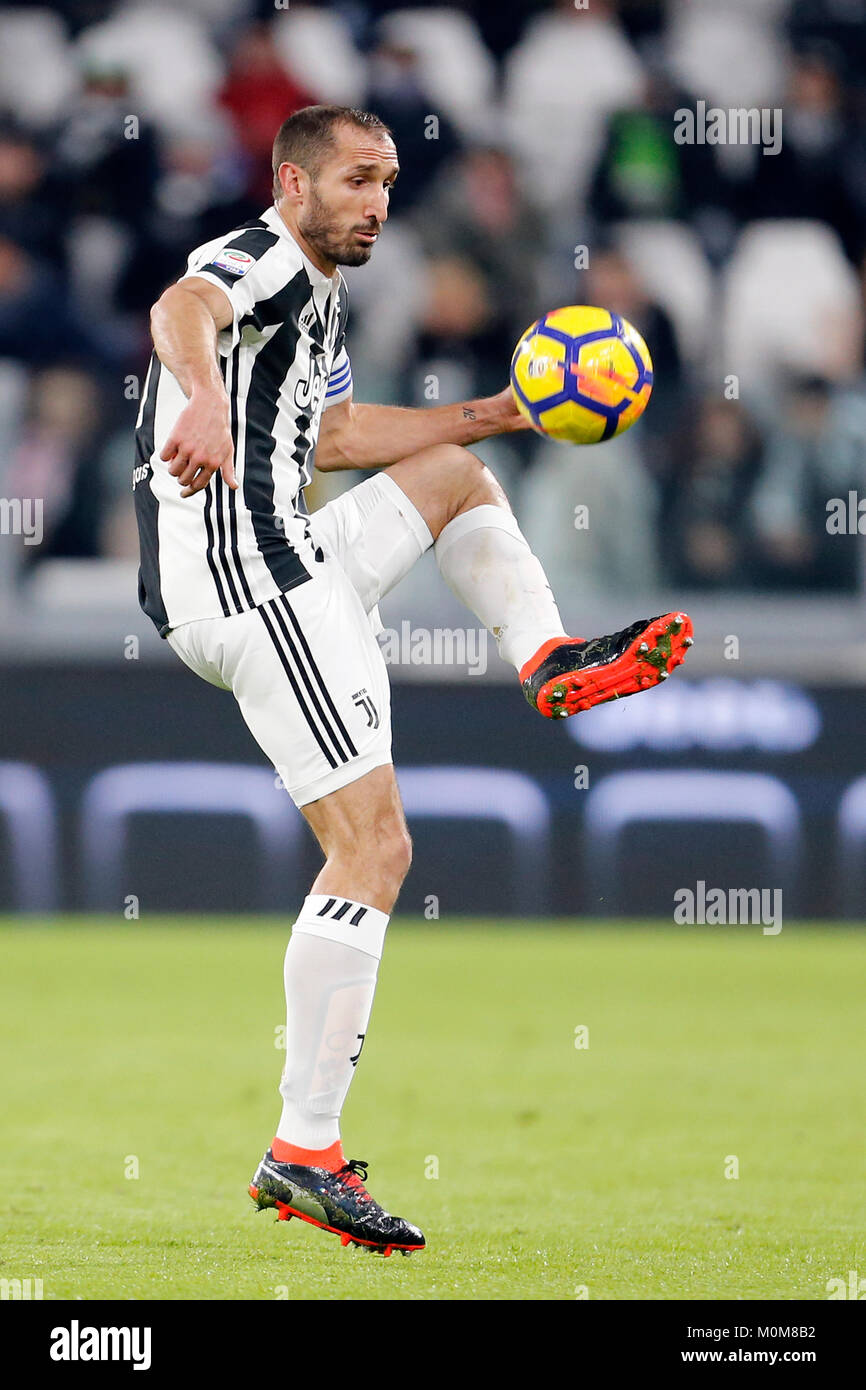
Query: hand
(201, 443)
(508, 416)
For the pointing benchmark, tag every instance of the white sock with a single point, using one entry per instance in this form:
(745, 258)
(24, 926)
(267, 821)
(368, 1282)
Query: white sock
(486, 561)
(330, 976)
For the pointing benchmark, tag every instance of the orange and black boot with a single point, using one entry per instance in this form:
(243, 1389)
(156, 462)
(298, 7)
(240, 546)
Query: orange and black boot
(334, 1201)
(568, 675)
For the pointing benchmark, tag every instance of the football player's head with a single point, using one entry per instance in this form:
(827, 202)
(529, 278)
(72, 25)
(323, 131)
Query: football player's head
(334, 168)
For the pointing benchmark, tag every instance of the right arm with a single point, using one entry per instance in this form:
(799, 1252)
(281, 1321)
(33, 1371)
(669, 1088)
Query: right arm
(184, 322)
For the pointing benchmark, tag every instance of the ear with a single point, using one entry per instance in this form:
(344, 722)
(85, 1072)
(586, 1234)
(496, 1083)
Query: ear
(294, 181)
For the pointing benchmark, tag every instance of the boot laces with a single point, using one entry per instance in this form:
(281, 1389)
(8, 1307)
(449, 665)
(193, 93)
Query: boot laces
(353, 1174)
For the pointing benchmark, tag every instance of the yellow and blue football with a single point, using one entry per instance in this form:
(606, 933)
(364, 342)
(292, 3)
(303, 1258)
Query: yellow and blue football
(581, 375)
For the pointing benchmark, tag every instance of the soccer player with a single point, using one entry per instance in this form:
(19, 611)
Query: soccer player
(249, 387)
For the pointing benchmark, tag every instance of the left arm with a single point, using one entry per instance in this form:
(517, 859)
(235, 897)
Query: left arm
(367, 436)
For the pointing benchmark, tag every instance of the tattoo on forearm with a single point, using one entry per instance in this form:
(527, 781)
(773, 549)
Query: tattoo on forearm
(469, 413)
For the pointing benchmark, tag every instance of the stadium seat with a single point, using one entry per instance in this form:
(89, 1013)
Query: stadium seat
(193, 788)
(670, 262)
(99, 249)
(726, 60)
(34, 42)
(851, 849)
(626, 799)
(493, 795)
(27, 806)
(174, 68)
(615, 550)
(563, 78)
(317, 48)
(455, 66)
(790, 301)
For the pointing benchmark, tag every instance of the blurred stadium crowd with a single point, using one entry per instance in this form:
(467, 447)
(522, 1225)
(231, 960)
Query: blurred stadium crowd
(539, 167)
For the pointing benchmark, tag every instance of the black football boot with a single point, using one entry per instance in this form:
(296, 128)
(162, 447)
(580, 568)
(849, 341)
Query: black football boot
(334, 1201)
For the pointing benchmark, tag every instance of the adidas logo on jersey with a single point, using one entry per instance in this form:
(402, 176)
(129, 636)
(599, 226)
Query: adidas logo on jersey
(308, 318)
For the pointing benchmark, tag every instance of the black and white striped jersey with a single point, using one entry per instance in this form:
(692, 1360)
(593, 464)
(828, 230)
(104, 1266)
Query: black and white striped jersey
(284, 360)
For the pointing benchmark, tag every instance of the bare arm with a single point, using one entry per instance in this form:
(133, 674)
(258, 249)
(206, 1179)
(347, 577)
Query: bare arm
(365, 436)
(184, 323)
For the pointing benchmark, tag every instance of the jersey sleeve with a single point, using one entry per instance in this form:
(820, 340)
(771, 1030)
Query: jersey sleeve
(340, 379)
(239, 265)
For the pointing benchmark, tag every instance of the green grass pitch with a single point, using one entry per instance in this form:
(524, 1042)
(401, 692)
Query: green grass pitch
(537, 1169)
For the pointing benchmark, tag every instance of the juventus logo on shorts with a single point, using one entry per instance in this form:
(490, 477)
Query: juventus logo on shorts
(363, 701)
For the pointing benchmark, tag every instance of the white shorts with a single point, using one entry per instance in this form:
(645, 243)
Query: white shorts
(305, 668)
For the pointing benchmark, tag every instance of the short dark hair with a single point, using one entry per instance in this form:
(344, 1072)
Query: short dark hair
(308, 137)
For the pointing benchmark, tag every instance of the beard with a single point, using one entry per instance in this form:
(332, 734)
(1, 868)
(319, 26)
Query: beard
(323, 233)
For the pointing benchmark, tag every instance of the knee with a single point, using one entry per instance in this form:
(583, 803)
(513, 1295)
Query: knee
(459, 466)
(395, 853)
(469, 481)
(388, 864)
(380, 858)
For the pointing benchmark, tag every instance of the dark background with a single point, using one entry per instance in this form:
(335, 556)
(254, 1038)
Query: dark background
(72, 721)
